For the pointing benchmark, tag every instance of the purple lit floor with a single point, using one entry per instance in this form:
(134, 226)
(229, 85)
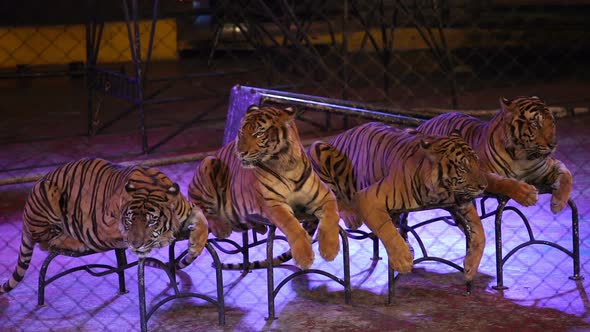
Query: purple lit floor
(540, 294)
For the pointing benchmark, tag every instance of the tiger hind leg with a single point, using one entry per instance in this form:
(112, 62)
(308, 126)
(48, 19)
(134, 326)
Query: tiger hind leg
(64, 242)
(334, 169)
(209, 182)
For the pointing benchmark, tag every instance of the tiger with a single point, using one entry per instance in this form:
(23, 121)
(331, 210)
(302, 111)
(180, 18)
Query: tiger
(378, 172)
(93, 205)
(265, 173)
(515, 149)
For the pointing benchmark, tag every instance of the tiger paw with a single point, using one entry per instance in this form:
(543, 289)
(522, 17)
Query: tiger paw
(302, 254)
(402, 262)
(525, 194)
(351, 219)
(220, 228)
(329, 244)
(558, 202)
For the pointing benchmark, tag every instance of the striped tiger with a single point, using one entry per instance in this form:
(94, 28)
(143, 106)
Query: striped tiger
(94, 205)
(378, 171)
(265, 172)
(517, 143)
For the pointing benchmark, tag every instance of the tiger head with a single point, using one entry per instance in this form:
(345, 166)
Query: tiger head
(456, 176)
(148, 211)
(264, 135)
(529, 128)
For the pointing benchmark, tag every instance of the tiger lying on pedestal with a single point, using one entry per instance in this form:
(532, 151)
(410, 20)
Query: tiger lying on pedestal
(378, 171)
(266, 173)
(94, 205)
(517, 143)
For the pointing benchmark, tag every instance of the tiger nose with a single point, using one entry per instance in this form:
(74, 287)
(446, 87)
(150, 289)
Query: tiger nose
(135, 243)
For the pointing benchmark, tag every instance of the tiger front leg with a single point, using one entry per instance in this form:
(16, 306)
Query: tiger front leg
(371, 206)
(467, 218)
(561, 186)
(299, 241)
(520, 191)
(328, 233)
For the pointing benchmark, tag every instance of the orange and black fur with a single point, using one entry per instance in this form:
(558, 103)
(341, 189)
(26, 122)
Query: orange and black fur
(516, 145)
(94, 205)
(378, 171)
(266, 173)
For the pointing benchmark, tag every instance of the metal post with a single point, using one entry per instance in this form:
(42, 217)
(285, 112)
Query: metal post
(270, 287)
(42, 274)
(121, 262)
(575, 241)
(499, 261)
(141, 290)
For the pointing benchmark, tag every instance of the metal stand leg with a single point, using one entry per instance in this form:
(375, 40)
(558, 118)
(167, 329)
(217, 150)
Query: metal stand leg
(219, 280)
(498, 233)
(245, 251)
(121, 262)
(42, 274)
(575, 241)
(172, 261)
(141, 291)
(376, 256)
(270, 286)
(390, 284)
(346, 266)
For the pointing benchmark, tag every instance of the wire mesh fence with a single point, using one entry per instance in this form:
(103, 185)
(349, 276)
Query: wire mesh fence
(407, 56)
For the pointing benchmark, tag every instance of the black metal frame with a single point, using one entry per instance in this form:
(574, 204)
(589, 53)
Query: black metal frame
(502, 259)
(273, 291)
(122, 265)
(404, 229)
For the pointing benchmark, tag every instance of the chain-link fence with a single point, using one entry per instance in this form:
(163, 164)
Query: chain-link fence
(72, 90)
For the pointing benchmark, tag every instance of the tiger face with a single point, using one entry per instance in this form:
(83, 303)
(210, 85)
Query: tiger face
(263, 135)
(457, 167)
(531, 127)
(149, 218)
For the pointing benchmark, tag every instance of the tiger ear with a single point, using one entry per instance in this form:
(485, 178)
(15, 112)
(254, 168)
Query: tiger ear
(129, 187)
(425, 144)
(456, 133)
(252, 108)
(429, 151)
(288, 114)
(174, 189)
(505, 105)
